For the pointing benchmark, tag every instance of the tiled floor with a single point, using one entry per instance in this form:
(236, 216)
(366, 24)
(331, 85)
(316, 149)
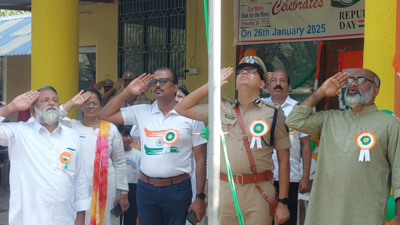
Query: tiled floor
(4, 197)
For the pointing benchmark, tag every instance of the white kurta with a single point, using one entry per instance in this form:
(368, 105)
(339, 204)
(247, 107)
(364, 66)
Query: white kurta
(116, 164)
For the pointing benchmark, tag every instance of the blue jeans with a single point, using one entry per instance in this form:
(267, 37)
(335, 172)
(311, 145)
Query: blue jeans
(163, 205)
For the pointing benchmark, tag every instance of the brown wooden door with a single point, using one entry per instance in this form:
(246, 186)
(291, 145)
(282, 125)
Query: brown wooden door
(329, 65)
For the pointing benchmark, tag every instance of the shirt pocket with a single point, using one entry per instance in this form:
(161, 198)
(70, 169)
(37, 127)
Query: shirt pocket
(227, 126)
(67, 159)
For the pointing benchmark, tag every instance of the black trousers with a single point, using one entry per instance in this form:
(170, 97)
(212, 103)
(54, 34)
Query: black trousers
(130, 216)
(292, 206)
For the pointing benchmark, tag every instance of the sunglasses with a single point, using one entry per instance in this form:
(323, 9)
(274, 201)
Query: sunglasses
(162, 81)
(249, 70)
(358, 80)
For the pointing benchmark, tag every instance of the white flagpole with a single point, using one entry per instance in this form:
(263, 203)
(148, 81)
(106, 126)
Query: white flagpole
(214, 113)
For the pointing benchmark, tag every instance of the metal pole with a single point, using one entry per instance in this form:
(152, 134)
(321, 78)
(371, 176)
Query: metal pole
(214, 112)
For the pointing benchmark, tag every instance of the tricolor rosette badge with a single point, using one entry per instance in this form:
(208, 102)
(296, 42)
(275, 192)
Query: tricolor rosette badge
(65, 158)
(365, 141)
(169, 138)
(257, 129)
(292, 131)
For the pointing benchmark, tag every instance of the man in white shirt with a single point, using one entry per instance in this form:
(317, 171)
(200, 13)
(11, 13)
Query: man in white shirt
(48, 181)
(278, 87)
(164, 194)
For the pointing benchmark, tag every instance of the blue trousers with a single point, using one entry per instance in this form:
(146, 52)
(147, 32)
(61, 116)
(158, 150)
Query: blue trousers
(163, 205)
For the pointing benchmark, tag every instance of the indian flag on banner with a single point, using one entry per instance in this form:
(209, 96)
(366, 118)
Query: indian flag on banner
(360, 23)
(349, 62)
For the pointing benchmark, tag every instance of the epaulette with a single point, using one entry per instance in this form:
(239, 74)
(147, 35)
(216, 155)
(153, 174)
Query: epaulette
(227, 98)
(273, 105)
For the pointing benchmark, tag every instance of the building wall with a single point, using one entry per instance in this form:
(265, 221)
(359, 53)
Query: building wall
(100, 28)
(379, 47)
(196, 49)
(18, 77)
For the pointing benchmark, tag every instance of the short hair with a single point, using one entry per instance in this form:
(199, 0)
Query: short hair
(124, 129)
(45, 88)
(182, 88)
(376, 80)
(175, 77)
(96, 92)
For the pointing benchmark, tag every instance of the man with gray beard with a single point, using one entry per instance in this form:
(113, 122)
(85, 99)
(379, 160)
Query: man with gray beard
(47, 178)
(358, 158)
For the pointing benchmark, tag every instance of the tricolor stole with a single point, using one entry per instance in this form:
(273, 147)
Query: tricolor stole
(100, 175)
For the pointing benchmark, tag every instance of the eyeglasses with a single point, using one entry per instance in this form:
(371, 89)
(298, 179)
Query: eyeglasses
(162, 81)
(358, 80)
(249, 70)
(87, 104)
(182, 86)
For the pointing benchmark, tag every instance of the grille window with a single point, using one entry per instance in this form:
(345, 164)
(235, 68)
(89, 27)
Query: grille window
(151, 34)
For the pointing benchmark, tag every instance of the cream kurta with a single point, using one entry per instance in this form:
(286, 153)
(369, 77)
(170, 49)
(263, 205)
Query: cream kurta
(117, 178)
(346, 191)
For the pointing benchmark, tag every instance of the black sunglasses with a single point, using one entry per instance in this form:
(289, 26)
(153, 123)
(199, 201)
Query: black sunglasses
(162, 81)
(251, 71)
(359, 80)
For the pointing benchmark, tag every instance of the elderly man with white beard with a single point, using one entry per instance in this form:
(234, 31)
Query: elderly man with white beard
(47, 181)
(359, 153)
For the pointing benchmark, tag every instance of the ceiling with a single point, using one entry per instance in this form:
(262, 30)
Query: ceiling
(26, 4)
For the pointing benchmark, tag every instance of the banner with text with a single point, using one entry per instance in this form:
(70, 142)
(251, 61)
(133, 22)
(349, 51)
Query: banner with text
(267, 21)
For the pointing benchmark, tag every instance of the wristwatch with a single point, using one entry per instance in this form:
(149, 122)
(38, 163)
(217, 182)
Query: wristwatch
(124, 192)
(283, 200)
(201, 196)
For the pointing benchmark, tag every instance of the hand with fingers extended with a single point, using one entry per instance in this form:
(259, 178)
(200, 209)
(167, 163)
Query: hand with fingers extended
(100, 85)
(333, 85)
(118, 84)
(270, 75)
(225, 74)
(80, 98)
(140, 84)
(24, 101)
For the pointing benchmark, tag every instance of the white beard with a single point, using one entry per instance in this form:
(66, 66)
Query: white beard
(360, 98)
(47, 116)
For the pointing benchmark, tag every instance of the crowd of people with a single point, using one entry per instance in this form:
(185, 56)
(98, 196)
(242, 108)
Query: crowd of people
(131, 156)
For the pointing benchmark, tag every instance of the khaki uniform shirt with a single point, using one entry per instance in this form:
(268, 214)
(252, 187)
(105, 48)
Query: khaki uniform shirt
(345, 190)
(234, 140)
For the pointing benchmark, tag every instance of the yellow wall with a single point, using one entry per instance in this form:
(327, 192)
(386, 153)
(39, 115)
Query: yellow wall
(196, 47)
(18, 78)
(100, 29)
(379, 46)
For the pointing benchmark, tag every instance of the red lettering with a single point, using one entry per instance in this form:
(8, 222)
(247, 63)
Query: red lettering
(249, 9)
(259, 8)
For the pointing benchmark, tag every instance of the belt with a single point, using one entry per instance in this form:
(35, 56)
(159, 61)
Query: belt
(241, 179)
(162, 182)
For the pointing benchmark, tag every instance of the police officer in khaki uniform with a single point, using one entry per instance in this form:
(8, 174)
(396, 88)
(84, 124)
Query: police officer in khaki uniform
(250, 155)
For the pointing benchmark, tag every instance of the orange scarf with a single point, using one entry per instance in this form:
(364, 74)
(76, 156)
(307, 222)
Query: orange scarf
(100, 175)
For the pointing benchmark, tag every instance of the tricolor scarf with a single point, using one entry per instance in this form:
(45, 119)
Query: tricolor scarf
(100, 175)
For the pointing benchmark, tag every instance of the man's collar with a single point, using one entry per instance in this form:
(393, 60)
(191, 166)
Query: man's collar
(37, 126)
(366, 109)
(288, 101)
(155, 109)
